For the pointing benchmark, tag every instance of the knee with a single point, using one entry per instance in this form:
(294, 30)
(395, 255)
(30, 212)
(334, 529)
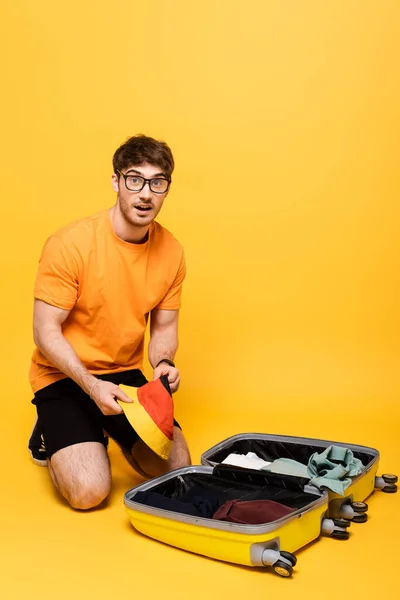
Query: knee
(165, 466)
(180, 455)
(180, 460)
(161, 467)
(85, 496)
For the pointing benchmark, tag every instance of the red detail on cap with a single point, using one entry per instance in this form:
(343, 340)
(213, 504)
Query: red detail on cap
(159, 406)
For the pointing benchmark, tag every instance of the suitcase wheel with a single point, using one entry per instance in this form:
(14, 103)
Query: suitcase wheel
(390, 489)
(341, 523)
(390, 478)
(281, 562)
(336, 528)
(360, 518)
(359, 507)
(387, 483)
(340, 535)
(282, 569)
(290, 557)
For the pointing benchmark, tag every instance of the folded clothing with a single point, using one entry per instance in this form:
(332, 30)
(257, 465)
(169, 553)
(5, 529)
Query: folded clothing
(200, 503)
(197, 502)
(236, 483)
(159, 501)
(151, 414)
(205, 501)
(334, 468)
(248, 461)
(252, 512)
(287, 466)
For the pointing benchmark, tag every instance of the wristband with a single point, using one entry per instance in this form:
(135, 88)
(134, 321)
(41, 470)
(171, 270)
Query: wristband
(92, 388)
(166, 360)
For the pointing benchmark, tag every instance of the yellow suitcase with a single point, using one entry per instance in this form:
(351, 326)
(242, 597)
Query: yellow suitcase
(319, 512)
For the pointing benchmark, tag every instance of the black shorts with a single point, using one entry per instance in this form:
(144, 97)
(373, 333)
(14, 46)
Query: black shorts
(68, 416)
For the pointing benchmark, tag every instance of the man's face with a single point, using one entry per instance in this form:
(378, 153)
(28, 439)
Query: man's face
(140, 208)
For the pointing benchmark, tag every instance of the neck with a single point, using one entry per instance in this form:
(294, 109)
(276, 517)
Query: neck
(125, 230)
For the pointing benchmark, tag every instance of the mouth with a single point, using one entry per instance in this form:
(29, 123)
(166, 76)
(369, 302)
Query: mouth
(143, 209)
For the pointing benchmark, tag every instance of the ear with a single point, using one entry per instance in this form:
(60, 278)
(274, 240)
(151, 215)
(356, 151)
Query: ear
(115, 182)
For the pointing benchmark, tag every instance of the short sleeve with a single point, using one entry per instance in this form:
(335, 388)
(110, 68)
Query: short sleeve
(172, 299)
(57, 279)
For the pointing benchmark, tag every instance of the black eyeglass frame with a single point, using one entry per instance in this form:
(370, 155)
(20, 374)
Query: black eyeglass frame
(168, 179)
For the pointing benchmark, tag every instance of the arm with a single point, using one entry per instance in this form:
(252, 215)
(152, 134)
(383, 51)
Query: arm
(48, 337)
(164, 344)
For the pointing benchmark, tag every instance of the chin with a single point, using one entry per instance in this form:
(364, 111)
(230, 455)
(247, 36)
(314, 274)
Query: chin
(137, 221)
(142, 222)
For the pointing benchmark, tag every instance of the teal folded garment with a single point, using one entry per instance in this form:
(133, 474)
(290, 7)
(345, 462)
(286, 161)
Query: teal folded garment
(333, 468)
(287, 466)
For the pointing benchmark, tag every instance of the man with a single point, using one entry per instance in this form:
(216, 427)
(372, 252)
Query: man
(99, 281)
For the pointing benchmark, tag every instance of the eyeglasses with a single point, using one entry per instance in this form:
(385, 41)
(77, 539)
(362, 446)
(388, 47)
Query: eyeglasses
(135, 183)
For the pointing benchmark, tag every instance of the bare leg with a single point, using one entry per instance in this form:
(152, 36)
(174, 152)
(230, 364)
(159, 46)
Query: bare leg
(82, 474)
(148, 464)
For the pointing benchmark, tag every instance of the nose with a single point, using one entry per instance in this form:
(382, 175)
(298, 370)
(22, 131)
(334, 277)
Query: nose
(145, 193)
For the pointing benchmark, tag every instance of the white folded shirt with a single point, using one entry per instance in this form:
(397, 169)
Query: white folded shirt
(249, 461)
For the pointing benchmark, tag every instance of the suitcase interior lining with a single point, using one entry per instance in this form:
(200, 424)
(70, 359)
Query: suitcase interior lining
(247, 485)
(271, 450)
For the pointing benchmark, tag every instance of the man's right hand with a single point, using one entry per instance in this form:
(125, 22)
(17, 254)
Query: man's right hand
(104, 395)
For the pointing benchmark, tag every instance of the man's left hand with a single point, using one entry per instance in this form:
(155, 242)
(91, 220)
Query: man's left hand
(173, 375)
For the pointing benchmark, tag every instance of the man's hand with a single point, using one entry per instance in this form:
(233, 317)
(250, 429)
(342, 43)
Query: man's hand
(173, 375)
(104, 394)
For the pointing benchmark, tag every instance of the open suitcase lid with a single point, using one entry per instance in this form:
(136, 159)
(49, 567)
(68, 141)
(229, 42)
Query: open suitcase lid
(272, 446)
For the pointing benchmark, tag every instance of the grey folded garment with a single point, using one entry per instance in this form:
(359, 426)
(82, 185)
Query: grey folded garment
(287, 466)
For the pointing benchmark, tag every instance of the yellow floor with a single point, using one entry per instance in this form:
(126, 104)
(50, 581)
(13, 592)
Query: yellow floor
(50, 552)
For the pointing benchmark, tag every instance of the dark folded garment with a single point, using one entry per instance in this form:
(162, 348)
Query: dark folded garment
(159, 501)
(252, 512)
(205, 501)
(197, 502)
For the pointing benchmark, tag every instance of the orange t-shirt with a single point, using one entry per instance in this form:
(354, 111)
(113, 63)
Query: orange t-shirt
(110, 287)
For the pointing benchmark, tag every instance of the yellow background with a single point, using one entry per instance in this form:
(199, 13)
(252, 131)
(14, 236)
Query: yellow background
(283, 117)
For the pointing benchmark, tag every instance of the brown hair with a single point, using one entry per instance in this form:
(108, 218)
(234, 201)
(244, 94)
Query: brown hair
(140, 149)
